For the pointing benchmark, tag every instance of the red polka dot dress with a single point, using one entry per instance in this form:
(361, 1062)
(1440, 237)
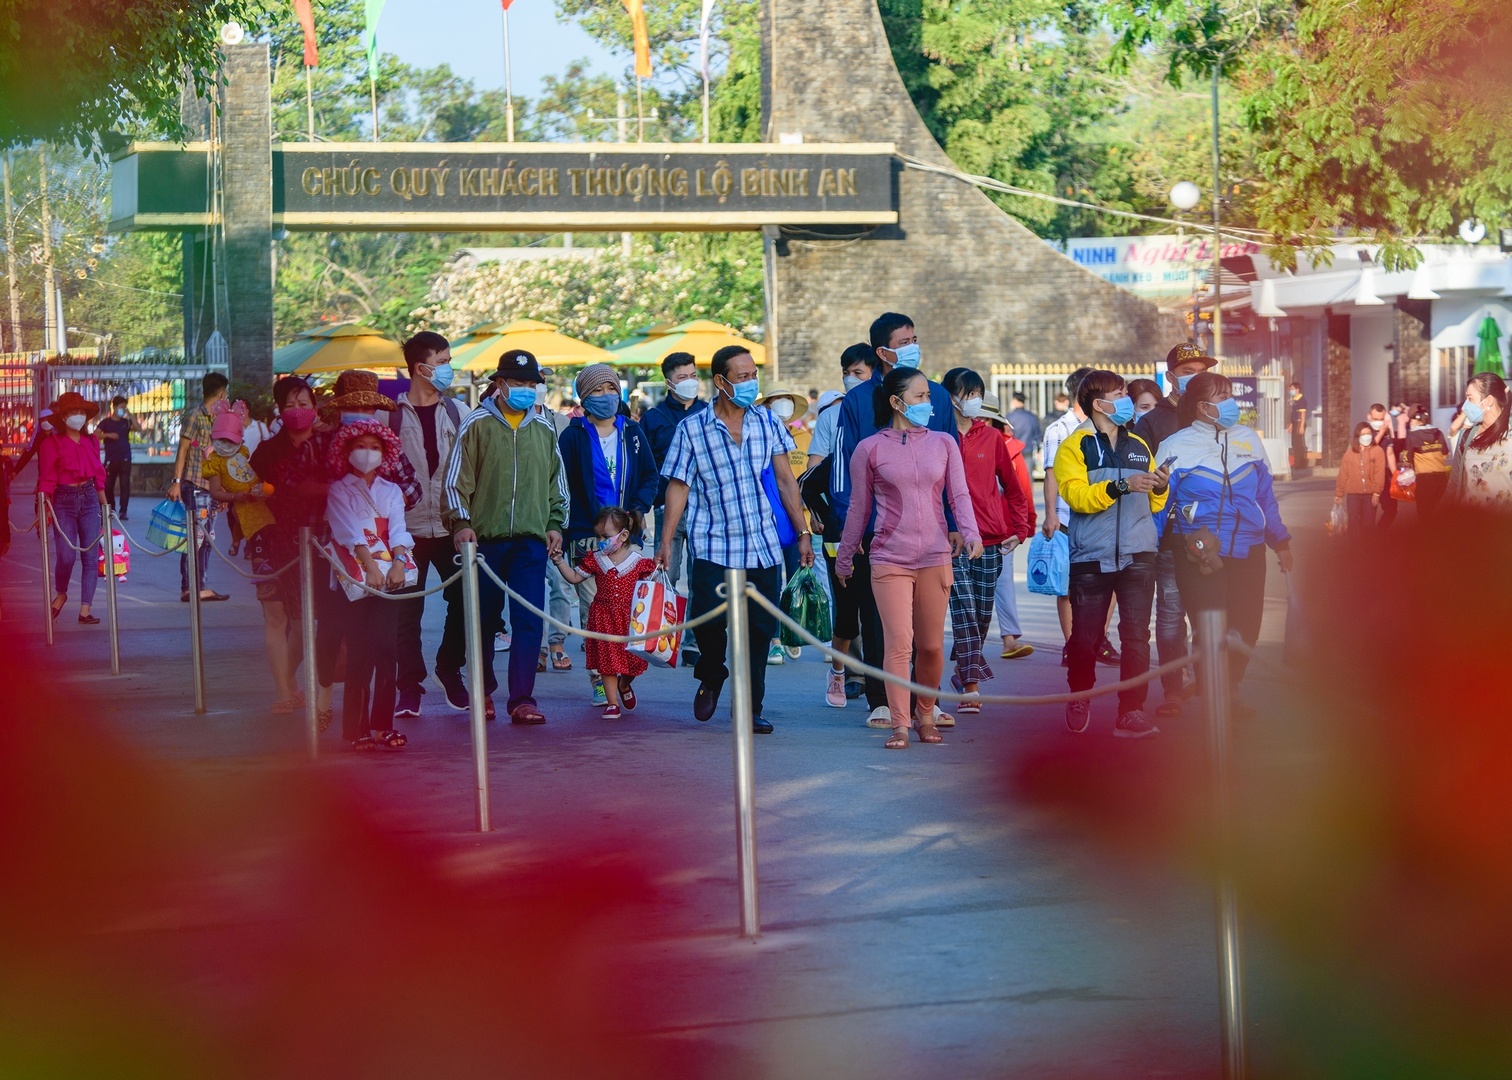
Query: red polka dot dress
(610, 612)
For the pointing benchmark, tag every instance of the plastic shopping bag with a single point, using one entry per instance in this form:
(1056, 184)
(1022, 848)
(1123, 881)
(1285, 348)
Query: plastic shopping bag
(805, 602)
(169, 527)
(120, 555)
(653, 605)
(1050, 564)
(1338, 521)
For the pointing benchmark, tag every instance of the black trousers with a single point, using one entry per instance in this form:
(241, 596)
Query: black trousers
(1238, 589)
(331, 619)
(1092, 592)
(430, 552)
(1430, 492)
(118, 472)
(1362, 516)
(856, 615)
(367, 702)
(713, 636)
(1299, 451)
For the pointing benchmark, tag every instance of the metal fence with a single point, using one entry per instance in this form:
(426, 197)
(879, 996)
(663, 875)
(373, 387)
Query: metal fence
(156, 395)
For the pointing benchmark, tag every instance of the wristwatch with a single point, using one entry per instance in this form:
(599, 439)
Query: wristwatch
(1122, 486)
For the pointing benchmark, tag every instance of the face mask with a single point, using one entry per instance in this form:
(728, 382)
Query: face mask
(121, 413)
(1365, 439)
(687, 389)
(1123, 410)
(611, 545)
(365, 461)
(1376, 425)
(1396, 412)
(971, 408)
(225, 447)
(1473, 412)
(1228, 413)
(919, 414)
(521, 398)
(601, 406)
(744, 394)
(353, 417)
(853, 381)
(441, 376)
(298, 418)
(540, 393)
(907, 355)
(1181, 383)
(782, 410)
(75, 422)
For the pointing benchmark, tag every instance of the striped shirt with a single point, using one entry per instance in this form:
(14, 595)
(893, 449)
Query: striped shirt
(730, 521)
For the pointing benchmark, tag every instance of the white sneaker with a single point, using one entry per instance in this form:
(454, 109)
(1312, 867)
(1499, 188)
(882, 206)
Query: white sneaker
(834, 691)
(775, 655)
(881, 717)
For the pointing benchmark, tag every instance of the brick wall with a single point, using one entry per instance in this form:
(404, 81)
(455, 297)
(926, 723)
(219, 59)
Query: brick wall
(982, 289)
(247, 137)
(1412, 352)
(1338, 418)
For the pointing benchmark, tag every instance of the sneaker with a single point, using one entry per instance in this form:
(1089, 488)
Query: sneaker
(501, 642)
(1078, 715)
(455, 690)
(409, 702)
(775, 655)
(881, 717)
(794, 651)
(612, 712)
(1107, 654)
(1133, 725)
(1169, 707)
(599, 697)
(834, 690)
(854, 688)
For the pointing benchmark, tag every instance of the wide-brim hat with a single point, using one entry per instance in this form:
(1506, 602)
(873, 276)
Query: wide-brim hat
(1186, 353)
(71, 402)
(518, 364)
(359, 390)
(341, 442)
(800, 401)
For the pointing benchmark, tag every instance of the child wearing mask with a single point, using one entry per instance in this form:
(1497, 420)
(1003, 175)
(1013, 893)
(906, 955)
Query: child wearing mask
(230, 478)
(615, 566)
(366, 514)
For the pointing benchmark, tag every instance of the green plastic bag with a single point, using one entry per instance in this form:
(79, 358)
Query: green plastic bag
(806, 604)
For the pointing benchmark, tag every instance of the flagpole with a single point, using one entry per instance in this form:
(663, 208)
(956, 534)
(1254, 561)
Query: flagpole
(706, 101)
(640, 116)
(508, 91)
(373, 92)
(309, 104)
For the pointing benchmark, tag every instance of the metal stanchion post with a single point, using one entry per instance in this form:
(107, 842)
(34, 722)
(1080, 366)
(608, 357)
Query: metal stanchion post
(47, 588)
(740, 725)
(110, 590)
(196, 645)
(1212, 629)
(472, 619)
(307, 632)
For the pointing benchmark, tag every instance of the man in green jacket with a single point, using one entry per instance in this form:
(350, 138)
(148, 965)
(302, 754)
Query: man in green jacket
(504, 489)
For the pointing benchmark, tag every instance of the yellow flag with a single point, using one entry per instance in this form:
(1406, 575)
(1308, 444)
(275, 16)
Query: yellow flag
(637, 10)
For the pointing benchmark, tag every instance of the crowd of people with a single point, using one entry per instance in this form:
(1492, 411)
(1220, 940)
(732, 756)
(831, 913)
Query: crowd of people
(920, 492)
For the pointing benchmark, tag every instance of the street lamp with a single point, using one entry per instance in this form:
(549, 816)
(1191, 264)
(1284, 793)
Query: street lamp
(1185, 195)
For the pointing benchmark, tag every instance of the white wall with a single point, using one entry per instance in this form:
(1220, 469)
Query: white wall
(1371, 336)
(1456, 320)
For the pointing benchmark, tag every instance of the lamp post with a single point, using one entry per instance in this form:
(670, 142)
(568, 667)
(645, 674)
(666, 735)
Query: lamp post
(1185, 195)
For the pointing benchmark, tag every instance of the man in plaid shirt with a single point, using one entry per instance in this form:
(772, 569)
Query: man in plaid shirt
(188, 482)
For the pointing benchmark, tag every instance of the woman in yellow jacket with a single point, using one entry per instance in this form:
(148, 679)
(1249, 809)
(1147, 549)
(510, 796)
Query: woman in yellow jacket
(1362, 477)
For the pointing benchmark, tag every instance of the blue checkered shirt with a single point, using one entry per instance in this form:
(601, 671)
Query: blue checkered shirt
(730, 520)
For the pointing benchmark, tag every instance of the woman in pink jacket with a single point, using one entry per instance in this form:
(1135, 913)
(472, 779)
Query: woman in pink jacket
(900, 473)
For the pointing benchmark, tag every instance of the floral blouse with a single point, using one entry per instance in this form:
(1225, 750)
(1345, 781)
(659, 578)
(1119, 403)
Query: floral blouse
(1482, 479)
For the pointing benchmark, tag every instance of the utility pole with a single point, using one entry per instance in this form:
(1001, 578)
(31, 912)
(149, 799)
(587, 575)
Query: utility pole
(10, 262)
(1217, 221)
(624, 136)
(49, 302)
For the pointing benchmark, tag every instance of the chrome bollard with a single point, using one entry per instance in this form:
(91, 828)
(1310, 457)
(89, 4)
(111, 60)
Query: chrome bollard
(307, 645)
(472, 619)
(110, 591)
(196, 643)
(1212, 628)
(47, 589)
(740, 726)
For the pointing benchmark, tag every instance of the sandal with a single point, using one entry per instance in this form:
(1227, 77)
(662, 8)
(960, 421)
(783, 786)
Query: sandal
(627, 695)
(367, 742)
(928, 732)
(1017, 652)
(541, 662)
(323, 719)
(967, 707)
(392, 739)
(560, 661)
(898, 740)
(526, 714)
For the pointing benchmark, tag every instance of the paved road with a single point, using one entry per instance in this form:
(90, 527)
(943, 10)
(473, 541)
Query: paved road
(923, 913)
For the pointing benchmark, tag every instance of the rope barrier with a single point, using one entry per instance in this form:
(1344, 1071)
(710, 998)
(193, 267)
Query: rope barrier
(341, 572)
(952, 695)
(622, 639)
(285, 568)
(146, 549)
(53, 513)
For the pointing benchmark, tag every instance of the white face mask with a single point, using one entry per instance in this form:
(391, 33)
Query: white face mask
(971, 408)
(1376, 425)
(225, 447)
(853, 381)
(540, 392)
(782, 409)
(76, 421)
(1365, 439)
(365, 461)
(687, 389)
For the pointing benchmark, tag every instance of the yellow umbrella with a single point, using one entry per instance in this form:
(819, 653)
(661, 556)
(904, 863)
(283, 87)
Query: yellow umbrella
(480, 348)
(701, 337)
(337, 348)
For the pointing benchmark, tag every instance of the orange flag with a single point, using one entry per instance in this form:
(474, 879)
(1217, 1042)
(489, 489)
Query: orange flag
(637, 10)
(307, 24)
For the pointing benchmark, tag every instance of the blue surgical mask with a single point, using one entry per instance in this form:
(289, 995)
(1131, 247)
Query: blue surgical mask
(521, 398)
(919, 414)
(353, 417)
(441, 376)
(612, 544)
(1181, 382)
(744, 394)
(601, 406)
(1228, 413)
(853, 381)
(1473, 412)
(907, 355)
(1123, 410)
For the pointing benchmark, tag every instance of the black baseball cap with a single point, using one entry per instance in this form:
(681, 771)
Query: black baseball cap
(518, 364)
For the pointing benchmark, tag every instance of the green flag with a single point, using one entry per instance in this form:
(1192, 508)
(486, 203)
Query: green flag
(371, 9)
(1488, 357)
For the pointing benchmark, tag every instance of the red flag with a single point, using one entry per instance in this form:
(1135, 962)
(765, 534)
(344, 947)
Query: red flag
(307, 24)
(637, 10)
(506, 3)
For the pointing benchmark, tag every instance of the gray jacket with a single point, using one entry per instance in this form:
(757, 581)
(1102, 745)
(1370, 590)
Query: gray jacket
(424, 518)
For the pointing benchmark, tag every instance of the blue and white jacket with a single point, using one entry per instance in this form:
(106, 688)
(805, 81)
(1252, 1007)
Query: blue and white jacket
(1221, 479)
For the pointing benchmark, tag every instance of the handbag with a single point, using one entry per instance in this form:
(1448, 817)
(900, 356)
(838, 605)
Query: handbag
(654, 604)
(786, 536)
(1049, 569)
(169, 526)
(805, 602)
(1404, 485)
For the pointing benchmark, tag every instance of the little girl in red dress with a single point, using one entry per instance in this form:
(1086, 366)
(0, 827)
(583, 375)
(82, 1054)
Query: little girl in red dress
(616, 567)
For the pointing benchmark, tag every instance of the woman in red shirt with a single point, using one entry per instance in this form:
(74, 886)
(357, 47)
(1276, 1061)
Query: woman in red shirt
(70, 474)
(1001, 503)
(1007, 601)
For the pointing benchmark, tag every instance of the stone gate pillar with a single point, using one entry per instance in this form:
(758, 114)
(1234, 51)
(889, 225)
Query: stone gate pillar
(981, 287)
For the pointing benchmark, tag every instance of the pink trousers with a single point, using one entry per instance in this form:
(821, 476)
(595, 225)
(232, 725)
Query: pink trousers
(913, 606)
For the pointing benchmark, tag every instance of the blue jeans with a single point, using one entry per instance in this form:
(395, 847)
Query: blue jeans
(77, 509)
(194, 498)
(1170, 621)
(520, 562)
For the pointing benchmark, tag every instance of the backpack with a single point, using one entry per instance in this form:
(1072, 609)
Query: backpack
(396, 421)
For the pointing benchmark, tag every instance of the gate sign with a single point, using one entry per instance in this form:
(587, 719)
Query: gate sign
(527, 186)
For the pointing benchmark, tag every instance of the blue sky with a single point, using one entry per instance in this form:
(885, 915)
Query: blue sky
(469, 35)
